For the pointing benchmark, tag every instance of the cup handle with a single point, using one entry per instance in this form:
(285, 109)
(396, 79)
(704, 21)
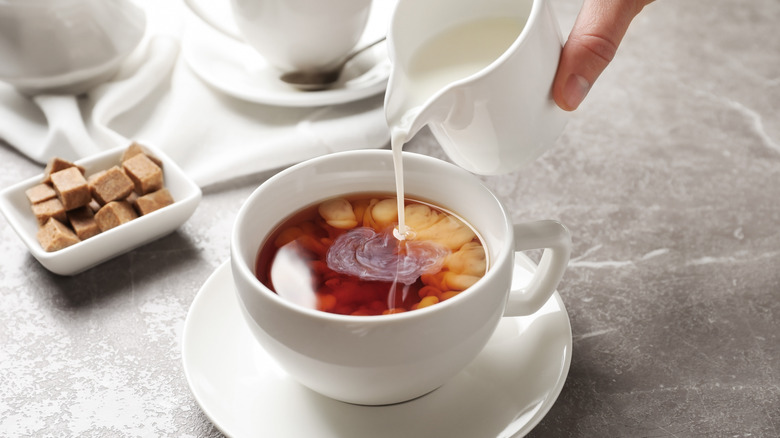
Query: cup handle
(201, 13)
(556, 241)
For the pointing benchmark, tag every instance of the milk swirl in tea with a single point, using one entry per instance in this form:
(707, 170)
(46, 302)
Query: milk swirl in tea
(341, 256)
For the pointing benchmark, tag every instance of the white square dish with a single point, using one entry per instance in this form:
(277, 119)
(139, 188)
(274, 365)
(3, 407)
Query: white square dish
(97, 249)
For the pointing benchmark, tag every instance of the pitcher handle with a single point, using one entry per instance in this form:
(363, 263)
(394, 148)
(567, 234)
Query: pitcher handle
(201, 13)
(556, 241)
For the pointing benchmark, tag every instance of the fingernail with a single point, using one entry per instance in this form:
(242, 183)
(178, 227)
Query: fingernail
(575, 90)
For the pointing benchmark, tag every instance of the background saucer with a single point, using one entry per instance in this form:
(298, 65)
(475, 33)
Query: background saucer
(505, 392)
(238, 70)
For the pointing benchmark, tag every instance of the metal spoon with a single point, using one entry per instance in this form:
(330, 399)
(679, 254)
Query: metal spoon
(320, 80)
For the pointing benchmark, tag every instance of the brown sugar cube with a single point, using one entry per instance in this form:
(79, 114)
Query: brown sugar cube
(153, 201)
(50, 208)
(54, 235)
(111, 185)
(71, 188)
(135, 149)
(113, 214)
(146, 175)
(41, 192)
(55, 165)
(83, 222)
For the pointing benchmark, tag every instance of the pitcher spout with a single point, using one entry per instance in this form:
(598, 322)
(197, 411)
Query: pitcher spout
(407, 116)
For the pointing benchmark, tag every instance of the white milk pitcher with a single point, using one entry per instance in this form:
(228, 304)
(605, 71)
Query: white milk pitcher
(479, 74)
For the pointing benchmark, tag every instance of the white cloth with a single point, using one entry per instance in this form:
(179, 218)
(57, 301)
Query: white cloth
(156, 98)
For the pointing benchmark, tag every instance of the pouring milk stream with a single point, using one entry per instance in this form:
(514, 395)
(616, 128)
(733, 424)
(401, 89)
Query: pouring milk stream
(479, 75)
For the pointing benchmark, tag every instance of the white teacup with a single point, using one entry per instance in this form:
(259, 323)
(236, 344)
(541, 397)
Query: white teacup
(307, 35)
(385, 359)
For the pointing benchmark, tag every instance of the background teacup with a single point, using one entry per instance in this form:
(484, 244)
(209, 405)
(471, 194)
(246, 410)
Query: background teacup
(386, 359)
(308, 35)
(65, 46)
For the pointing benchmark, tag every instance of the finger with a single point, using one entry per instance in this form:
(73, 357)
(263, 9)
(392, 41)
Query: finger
(591, 46)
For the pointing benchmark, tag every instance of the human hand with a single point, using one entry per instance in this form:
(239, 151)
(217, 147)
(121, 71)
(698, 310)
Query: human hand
(592, 44)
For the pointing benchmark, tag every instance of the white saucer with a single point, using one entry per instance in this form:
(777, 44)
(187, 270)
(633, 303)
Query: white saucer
(505, 392)
(238, 70)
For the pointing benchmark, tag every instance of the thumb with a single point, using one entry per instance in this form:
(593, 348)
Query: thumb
(591, 45)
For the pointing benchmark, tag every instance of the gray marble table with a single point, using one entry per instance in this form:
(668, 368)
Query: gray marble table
(668, 177)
